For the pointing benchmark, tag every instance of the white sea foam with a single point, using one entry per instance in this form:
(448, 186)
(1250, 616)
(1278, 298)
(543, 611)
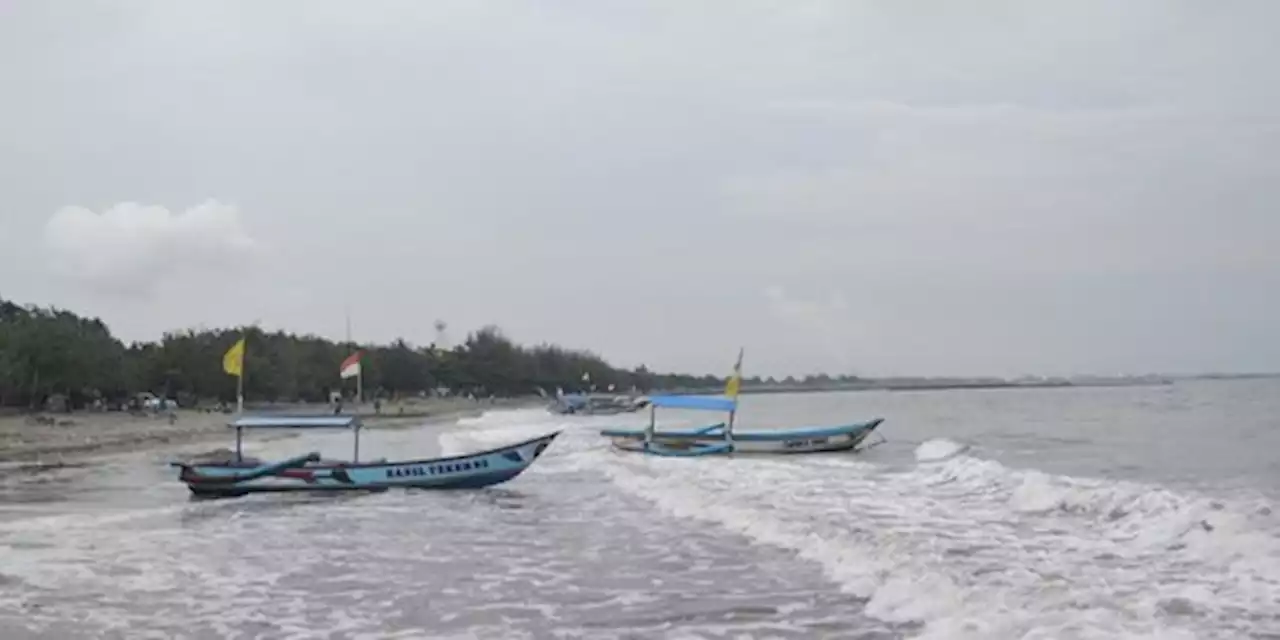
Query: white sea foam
(973, 549)
(495, 428)
(939, 449)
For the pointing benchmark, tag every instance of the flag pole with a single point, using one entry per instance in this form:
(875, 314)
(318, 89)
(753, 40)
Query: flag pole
(233, 364)
(240, 378)
(735, 376)
(240, 402)
(359, 370)
(360, 373)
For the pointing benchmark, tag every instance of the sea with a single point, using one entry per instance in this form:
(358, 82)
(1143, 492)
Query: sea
(1067, 513)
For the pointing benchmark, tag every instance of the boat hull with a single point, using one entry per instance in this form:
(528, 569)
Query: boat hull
(581, 406)
(306, 473)
(708, 440)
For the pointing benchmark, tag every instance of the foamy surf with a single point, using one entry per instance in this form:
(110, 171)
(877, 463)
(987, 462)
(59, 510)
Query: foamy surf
(969, 548)
(939, 449)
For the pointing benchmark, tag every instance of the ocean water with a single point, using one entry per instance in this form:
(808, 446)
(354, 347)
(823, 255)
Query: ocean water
(1108, 513)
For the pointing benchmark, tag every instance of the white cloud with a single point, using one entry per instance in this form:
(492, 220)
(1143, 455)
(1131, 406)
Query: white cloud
(131, 248)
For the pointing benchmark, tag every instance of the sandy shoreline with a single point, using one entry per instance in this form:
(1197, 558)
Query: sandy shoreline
(24, 441)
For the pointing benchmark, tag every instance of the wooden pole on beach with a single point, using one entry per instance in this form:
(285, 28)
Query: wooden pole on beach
(359, 371)
(233, 364)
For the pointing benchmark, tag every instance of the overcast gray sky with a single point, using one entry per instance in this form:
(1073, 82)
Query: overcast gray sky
(988, 187)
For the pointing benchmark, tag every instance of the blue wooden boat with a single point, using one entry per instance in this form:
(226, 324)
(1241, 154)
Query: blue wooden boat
(238, 475)
(722, 438)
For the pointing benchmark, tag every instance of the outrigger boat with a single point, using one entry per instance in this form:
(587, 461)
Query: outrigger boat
(239, 475)
(721, 438)
(595, 405)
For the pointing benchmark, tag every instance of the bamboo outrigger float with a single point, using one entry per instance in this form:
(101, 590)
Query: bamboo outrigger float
(240, 475)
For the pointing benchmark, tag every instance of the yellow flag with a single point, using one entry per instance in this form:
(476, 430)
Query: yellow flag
(233, 362)
(735, 380)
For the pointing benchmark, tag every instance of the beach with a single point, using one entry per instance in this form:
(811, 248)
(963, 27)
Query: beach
(49, 439)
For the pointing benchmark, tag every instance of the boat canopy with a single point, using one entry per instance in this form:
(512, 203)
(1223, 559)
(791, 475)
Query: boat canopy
(297, 422)
(698, 403)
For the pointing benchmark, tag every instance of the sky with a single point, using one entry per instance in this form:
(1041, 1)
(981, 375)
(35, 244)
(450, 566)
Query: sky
(861, 187)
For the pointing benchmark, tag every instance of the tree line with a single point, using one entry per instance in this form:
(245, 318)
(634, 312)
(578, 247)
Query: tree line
(46, 350)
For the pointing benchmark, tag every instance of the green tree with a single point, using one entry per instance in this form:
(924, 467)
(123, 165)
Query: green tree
(47, 350)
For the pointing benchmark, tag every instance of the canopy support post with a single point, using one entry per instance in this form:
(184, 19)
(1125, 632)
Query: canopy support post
(653, 421)
(728, 429)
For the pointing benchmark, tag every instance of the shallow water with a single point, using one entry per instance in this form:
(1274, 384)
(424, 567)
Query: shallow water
(1137, 512)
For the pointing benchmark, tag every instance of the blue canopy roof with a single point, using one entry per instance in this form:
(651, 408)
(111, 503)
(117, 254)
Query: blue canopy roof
(296, 422)
(698, 403)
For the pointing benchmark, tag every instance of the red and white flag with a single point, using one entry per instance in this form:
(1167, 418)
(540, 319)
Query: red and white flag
(351, 366)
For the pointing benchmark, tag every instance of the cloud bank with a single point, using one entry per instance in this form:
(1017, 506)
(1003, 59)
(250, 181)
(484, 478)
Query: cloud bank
(132, 249)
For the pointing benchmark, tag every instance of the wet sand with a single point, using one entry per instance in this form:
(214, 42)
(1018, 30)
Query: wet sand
(43, 440)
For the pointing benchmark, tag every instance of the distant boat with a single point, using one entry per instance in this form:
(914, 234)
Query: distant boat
(240, 475)
(722, 438)
(596, 405)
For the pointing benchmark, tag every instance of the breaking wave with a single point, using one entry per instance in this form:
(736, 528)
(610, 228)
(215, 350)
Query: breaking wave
(970, 548)
(938, 450)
